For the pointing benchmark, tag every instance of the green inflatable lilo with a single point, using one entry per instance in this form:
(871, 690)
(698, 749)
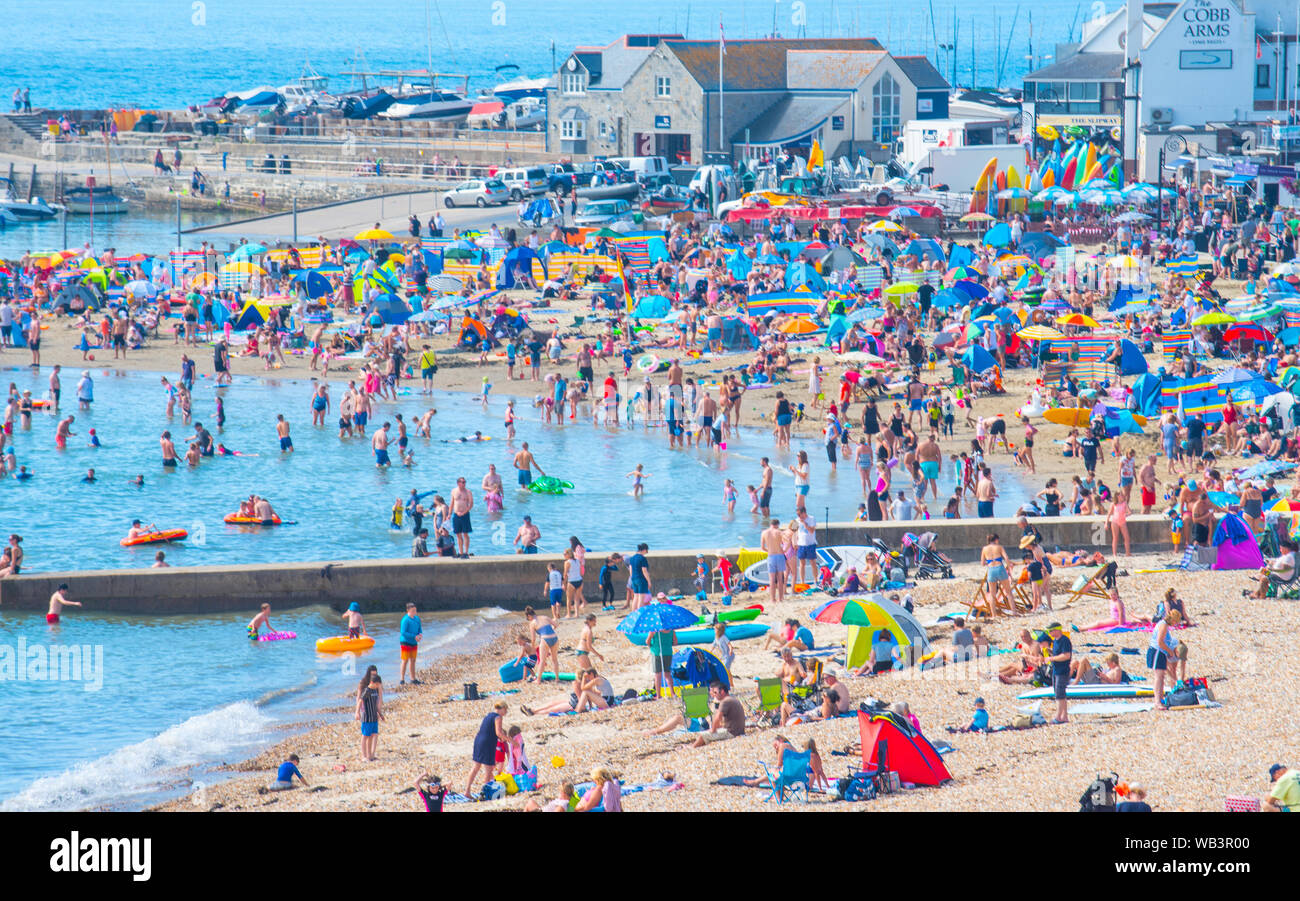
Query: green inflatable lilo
(548, 485)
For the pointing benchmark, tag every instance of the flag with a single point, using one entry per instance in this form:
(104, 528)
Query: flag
(815, 158)
(1259, 48)
(722, 38)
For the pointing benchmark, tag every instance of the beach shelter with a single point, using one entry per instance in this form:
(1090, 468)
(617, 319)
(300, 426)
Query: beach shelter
(739, 264)
(251, 316)
(907, 751)
(836, 330)
(737, 335)
(839, 259)
(961, 256)
(519, 258)
(1147, 392)
(866, 616)
(315, 284)
(1039, 245)
(390, 309)
(698, 667)
(881, 243)
(795, 302)
(978, 359)
(1235, 544)
(1131, 361)
(926, 247)
(803, 274)
(652, 306)
(998, 236)
(473, 333)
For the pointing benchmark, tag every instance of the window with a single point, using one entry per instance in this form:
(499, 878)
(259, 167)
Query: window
(1084, 90)
(1262, 76)
(573, 83)
(837, 123)
(663, 86)
(886, 108)
(573, 129)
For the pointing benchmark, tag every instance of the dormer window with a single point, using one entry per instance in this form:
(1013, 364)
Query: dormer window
(573, 81)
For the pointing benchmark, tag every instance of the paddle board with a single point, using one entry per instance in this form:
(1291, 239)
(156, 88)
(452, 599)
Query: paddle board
(511, 671)
(837, 559)
(341, 644)
(735, 632)
(744, 614)
(1070, 417)
(1092, 692)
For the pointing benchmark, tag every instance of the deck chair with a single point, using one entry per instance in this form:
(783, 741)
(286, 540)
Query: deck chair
(767, 711)
(695, 704)
(980, 601)
(1096, 585)
(793, 776)
(1021, 590)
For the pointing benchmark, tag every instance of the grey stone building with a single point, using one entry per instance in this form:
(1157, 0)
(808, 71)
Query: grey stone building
(659, 95)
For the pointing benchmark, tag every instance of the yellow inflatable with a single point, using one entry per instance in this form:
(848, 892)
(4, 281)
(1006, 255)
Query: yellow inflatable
(341, 644)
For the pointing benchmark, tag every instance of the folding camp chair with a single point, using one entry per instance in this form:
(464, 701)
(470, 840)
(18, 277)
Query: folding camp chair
(767, 711)
(793, 776)
(695, 704)
(1097, 585)
(980, 601)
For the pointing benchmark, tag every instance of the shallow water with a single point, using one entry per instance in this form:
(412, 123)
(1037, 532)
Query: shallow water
(342, 503)
(174, 696)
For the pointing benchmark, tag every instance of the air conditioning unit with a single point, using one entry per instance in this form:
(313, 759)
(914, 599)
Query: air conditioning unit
(1162, 116)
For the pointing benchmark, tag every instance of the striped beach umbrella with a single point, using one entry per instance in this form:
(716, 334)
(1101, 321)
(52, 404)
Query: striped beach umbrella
(1039, 333)
(1077, 319)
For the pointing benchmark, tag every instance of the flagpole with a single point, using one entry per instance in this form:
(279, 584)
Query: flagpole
(722, 49)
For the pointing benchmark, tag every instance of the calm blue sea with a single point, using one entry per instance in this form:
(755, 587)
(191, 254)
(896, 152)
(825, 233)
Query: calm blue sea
(173, 53)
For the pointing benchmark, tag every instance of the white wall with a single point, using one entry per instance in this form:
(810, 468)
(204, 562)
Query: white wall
(1201, 95)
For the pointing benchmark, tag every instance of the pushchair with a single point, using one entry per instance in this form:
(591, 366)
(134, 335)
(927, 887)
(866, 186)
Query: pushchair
(923, 554)
(889, 558)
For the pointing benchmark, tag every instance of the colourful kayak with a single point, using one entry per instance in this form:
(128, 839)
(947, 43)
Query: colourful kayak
(736, 632)
(744, 614)
(341, 644)
(1123, 690)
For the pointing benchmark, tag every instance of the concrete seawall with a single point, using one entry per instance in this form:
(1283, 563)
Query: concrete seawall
(508, 581)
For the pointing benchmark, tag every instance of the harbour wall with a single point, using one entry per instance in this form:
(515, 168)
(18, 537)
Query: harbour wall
(445, 584)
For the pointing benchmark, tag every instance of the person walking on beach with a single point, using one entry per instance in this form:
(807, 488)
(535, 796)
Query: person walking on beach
(370, 710)
(379, 444)
(58, 601)
(638, 580)
(490, 739)
(776, 568)
(462, 501)
(765, 490)
(410, 632)
(1062, 653)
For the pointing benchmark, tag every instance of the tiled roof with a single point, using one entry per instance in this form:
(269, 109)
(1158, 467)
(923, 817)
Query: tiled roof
(830, 69)
(753, 65)
(922, 73)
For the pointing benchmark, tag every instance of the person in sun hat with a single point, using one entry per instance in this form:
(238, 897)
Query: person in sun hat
(356, 624)
(1062, 652)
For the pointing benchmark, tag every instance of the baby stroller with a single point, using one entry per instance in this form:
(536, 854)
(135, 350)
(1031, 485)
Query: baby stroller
(929, 562)
(889, 558)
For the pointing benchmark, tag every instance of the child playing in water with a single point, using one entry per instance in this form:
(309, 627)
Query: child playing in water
(356, 624)
(753, 498)
(729, 494)
(637, 475)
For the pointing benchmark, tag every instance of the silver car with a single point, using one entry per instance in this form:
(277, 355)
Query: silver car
(477, 191)
(605, 212)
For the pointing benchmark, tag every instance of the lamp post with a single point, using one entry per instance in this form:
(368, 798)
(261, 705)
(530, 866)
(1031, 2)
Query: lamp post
(1172, 144)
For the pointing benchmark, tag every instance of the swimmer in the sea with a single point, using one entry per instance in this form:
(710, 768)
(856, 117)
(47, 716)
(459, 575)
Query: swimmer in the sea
(89, 476)
(138, 481)
(58, 601)
(638, 475)
(263, 618)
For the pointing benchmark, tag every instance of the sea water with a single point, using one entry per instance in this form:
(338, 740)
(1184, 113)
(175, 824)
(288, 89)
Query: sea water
(342, 503)
(164, 699)
(169, 54)
(144, 230)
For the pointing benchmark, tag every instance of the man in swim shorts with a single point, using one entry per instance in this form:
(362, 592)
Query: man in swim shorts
(524, 463)
(765, 489)
(263, 618)
(379, 444)
(771, 541)
(58, 601)
(462, 501)
(929, 458)
(282, 429)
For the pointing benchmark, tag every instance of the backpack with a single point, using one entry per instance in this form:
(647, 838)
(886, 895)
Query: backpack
(857, 787)
(1100, 795)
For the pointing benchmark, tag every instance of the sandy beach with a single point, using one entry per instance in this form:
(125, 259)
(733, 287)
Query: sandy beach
(1188, 759)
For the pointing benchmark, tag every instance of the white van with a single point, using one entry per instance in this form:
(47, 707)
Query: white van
(643, 166)
(523, 183)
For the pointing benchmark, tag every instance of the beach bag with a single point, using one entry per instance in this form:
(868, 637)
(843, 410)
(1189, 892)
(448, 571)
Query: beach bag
(1100, 795)
(857, 787)
(1181, 698)
(471, 691)
(492, 791)
(507, 780)
(527, 782)
(1022, 721)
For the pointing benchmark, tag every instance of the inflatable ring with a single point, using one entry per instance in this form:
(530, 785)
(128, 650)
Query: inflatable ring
(156, 537)
(342, 644)
(647, 363)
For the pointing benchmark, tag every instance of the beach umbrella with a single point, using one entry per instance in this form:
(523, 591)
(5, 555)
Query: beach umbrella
(1286, 505)
(243, 267)
(1214, 318)
(1013, 194)
(1131, 216)
(998, 236)
(901, 212)
(977, 217)
(1123, 261)
(900, 288)
(1039, 333)
(1256, 313)
(1289, 337)
(859, 356)
(1077, 319)
(968, 290)
(958, 273)
(798, 326)
(884, 225)
(1067, 199)
(244, 251)
(865, 314)
(657, 617)
(945, 299)
(943, 339)
(141, 288)
(374, 234)
(425, 316)
(844, 611)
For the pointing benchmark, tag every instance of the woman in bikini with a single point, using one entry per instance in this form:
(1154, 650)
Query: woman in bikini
(541, 630)
(993, 556)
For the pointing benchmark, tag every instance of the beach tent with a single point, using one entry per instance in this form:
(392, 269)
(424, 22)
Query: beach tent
(797, 274)
(473, 333)
(251, 316)
(315, 284)
(1039, 245)
(1131, 361)
(520, 258)
(978, 359)
(839, 259)
(1235, 544)
(908, 753)
(1147, 392)
(652, 306)
(880, 242)
(75, 298)
(740, 264)
(921, 247)
(737, 335)
(961, 256)
(885, 614)
(698, 666)
(839, 325)
(390, 309)
(998, 236)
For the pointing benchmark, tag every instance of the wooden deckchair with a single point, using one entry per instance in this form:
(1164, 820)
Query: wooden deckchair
(1095, 586)
(979, 600)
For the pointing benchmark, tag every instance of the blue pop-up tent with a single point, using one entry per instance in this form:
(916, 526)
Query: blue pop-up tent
(978, 359)
(518, 259)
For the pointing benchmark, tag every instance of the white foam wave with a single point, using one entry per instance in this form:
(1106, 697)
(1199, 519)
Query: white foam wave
(128, 775)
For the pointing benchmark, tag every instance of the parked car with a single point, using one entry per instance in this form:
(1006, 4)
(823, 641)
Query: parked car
(477, 191)
(523, 183)
(605, 212)
(564, 177)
